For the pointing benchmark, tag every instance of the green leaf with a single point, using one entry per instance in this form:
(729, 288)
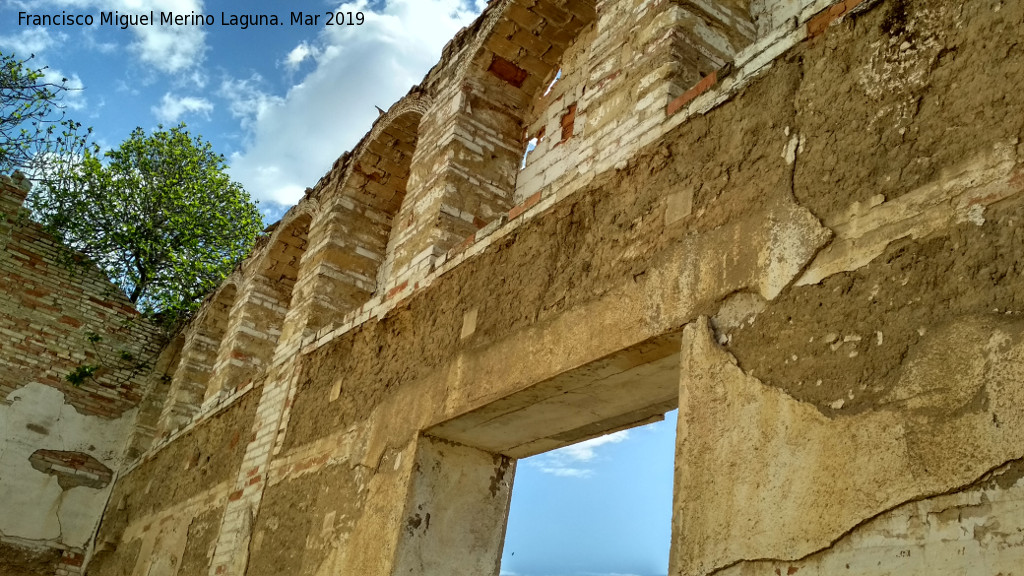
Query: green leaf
(158, 214)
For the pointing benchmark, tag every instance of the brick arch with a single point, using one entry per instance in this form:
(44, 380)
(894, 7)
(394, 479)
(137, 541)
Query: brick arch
(530, 45)
(202, 341)
(287, 244)
(524, 43)
(381, 177)
(257, 319)
(471, 141)
(619, 64)
(358, 235)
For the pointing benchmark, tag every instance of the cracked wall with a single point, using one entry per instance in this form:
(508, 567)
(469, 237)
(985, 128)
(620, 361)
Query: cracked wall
(60, 444)
(165, 513)
(808, 240)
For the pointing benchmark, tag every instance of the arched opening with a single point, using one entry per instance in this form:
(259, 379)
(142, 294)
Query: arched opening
(257, 319)
(570, 86)
(360, 236)
(190, 384)
(554, 122)
(386, 168)
(471, 142)
(147, 424)
(529, 76)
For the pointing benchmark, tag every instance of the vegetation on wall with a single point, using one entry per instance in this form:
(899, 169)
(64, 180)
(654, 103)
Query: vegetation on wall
(158, 214)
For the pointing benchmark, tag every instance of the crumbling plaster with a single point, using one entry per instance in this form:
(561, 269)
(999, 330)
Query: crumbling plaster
(61, 444)
(36, 507)
(806, 237)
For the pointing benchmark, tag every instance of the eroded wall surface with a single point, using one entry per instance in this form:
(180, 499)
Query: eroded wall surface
(61, 445)
(799, 222)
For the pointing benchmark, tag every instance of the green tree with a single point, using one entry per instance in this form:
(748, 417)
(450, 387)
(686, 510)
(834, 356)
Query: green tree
(33, 129)
(158, 214)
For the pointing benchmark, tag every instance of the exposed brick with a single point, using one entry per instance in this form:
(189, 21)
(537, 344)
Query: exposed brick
(820, 22)
(524, 17)
(690, 95)
(526, 205)
(508, 71)
(553, 14)
(73, 559)
(397, 289)
(469, 241)
(568, 122)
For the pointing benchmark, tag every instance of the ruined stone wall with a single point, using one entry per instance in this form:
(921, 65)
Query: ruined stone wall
(797, 222)
(191, 477)
(61, 444)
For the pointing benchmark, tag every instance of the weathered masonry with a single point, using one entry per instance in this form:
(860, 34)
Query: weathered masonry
(798, 221)
(61, 445)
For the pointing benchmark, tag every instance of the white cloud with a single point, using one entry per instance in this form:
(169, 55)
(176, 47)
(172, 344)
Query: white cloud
(170, 49)
(247, 100)
(586, 451)
(292, 140)
(569, 462)
(91, 42)
(172, 108)
(567, 472)
(300, 54)
(30, 41)
(73, 97)
(34, 41)
(196, 79)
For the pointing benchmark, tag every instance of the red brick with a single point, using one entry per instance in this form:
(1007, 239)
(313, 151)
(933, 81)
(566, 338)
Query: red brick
(820, 22)
(690, 95)
(1017, 179)
(397, 289)
(508, 71)
(73, 559)
(518, 210)
(568, 122)
(464, 245)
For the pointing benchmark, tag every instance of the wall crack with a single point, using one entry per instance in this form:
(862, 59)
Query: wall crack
(988, 475)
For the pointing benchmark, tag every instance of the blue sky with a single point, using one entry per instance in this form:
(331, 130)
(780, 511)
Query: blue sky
(282, 103)
(599, 508)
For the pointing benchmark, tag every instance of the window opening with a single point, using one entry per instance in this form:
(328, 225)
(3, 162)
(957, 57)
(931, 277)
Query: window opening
(530, 146)
(603, 506)
(558, 76)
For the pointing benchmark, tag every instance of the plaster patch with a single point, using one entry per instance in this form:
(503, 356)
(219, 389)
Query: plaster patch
(863, 233)
(35, 505)
(754, 462)
(72, 468)
(469, 323)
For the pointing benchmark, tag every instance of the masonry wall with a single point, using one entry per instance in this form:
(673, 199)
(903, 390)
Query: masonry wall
(62, 444)
(810, 245)
(172, 502)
